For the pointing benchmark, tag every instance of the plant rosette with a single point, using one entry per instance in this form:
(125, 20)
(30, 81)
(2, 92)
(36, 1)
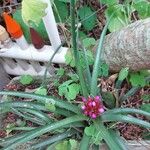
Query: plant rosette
(91, 109)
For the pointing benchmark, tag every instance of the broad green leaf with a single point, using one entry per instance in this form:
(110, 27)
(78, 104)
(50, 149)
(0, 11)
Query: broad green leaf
(103, 70)
(145, 107)
(87, 42)
(33, 11)
(61, 11)
(51, 107)
(41, 91)
(142, 7)
(62, 90)
(90, 131)
(69, 89)
(123, 74)
(74, 77)
(74, 144)
(26, 79)
(109, 2)
(119, 19)
(95, 135)
(137, 79)
(73, 91)
(60, 72)
(87, 17)
(69, 59)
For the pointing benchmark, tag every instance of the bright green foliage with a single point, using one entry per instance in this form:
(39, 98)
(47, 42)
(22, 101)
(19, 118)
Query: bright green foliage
(142, 7)
(74, 145)
(103, 70)
(123, 74)
(109, 2)
(119, 19)
(40, 28)
(67, 145)
(26, 79)
(73, 77)
(62, 145)
(33, 11)
(96, 137)
(61, 11)
(69, 89)
(68, 115)
(88, 22)
(50, 107)
(60, 72)
(123, 12)
(69, 59)
(41, 91)
(145, 107)
(137, 79)
(88, 42)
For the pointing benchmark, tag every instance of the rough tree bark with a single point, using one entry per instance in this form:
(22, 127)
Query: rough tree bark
(129, 47)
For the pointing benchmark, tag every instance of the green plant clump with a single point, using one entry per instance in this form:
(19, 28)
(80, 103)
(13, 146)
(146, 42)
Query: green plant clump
(85, 124)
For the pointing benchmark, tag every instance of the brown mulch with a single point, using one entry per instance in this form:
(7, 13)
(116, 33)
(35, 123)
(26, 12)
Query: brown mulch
(128, 131)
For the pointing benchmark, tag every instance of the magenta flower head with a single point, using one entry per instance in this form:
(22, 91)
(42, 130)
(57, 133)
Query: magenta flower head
(92, 106)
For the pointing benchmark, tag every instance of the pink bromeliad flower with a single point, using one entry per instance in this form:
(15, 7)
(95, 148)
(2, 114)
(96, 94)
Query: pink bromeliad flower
(92, 106)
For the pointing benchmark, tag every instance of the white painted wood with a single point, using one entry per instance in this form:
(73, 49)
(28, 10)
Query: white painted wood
(36, 66)
(9, 62)
(23, 64)
(51, 26)
(31, 53)
(18, 70)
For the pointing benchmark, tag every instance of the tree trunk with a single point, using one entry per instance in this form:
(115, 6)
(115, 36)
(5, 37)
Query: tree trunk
(129, 47)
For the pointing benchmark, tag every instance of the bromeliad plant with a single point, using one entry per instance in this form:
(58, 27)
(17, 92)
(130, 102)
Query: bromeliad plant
(88, 121)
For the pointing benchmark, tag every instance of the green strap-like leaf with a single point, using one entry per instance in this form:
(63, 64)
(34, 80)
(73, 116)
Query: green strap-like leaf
(126, 119)
(127, 111)
(85, 142)
(106, 135)
(42, 130)
(53, 139)
(43, 99)
(94, 89)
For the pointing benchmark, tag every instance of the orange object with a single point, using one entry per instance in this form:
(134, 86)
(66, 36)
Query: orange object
(12, 26)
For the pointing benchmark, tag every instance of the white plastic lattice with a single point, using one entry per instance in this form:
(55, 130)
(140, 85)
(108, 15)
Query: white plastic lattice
(17, 61)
